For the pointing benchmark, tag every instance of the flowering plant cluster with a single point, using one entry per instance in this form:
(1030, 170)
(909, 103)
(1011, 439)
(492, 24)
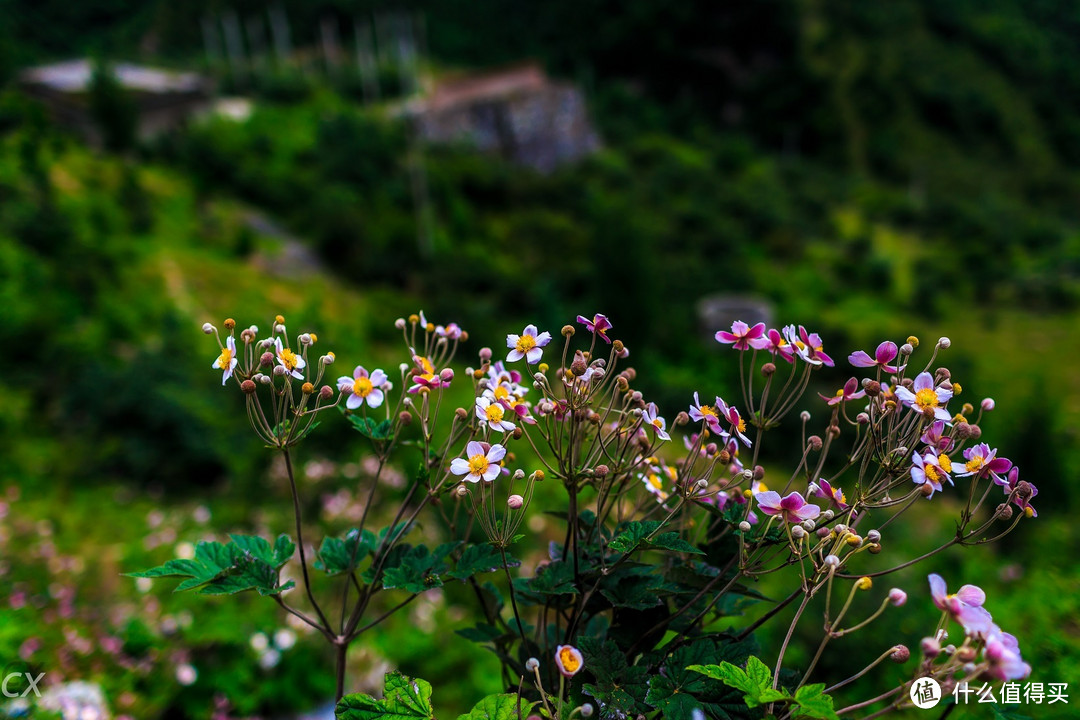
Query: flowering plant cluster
(629, 613)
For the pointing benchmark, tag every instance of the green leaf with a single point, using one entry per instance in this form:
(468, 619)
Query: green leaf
(419, 569)
(555, 578)
(755, 683)
(344, 555)
(619, 689)
(480, 633)
(498, 707)
(814, 703)
(634, 587)
(246, 563)
(635, 534)
(679, 688)
(480, 558)
(405, 699)
(369, 428)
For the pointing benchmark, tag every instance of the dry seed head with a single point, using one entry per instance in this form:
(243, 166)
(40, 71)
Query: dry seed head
(279, 319)
(768, 369)
(307, 388)
(229, 323)
(568, 330)
(618, 346)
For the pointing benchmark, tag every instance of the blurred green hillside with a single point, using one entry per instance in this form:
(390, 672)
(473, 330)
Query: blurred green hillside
(872, 170)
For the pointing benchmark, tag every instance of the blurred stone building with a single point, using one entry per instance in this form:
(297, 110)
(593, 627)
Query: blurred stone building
(518, 112)
(162, 99)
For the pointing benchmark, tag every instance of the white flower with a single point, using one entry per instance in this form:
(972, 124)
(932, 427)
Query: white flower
(527, 345)
(363, 388)
(289, 360)
(227, 359)
(492, 413)
(480, 465)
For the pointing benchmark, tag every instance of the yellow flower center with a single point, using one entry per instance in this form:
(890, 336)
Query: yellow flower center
(932, 473)
(288, 358)
(840, 392)
(494, 413)
(525, 343)
(502, 393)
(926, 399)
(658, 424)
(655, 481)
(362, 386)
(707, 411)
(569, 660)
(478, 464)
(741, 427)
(974, 464)
(945, 462)
(225, 360)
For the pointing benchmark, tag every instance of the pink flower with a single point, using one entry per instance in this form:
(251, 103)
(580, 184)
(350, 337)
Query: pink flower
(835, 496)
(930, 468)
(773, 342)
(793, 508)
(741, 335)
(707, 414)
(363, 388)
(527, 345)
(481, 462)
(982, 461)
(425, 378)
(926, 399)
(599, 326)
(813, 345)
(886, 352)
(1022, 503)
(569, 660)
(738, 425)
(965, 606)
(651, 417)
(845, 393)
(935, 437)
(1002, 653)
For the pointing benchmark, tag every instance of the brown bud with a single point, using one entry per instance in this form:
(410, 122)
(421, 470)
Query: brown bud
(682, 418)
(967, 409)
(963, 431)
(873, 388)
(976, 432)
(405, 418)
(326, 392)
(229, 323)
(926, 489)
(568, 330)
(873, 548)
(578, 366)
(834, 430)
(724, 457)
(307, 388)
(247, 335)
(942, 373)
(248, 386)
(601, 471)
(759, 472)
(266, 359)
(621, 383)
(900, 654)
(965, 653)
(1003, 512)
(462, 414)
(768, 369)
(618, 346)
(1024, 490)
(516, 434)
(814, 442)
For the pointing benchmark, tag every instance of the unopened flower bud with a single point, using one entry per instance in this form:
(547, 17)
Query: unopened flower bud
(976, 432)
(701, 484)
(279, 329)
(400, 323)
(864, 583)
(873, 388)
(942, 374)
(517, 433)
(532, 664)
(514, 502)
(229, 323)
(834, 431)
(307, 388)
(279, 319)
(586, 710)
(809, 525)
(747, 475)
(873, 548)
(248, 386)
(1004, 511)
(405, 418)
(897, 597)
(744, 526)
(578, 367)
(822, 531)
(827, 515)
(966, 408)
(447, 374)
(874, 536)
(724, 457)
(768, 369)
(944, 343)
(618, 347)
(328, 359)
(622, 384)
(485, 354)
(305, 339)
(804, 416)
(907, 348)
(931, 648)
(247, 335)
(797, 532)
(279, 370)
(814, 442)
(1024, 490)
(987, 404)
(264, 379)
(519, 474)
(266, 359)
(537, 475)
(682, 418)
(862, 418)
(966, 653)
(900, 654)
(326, 392)
(601, 471)
(461, 414)
(832, 561)
(461, 491)
(710, 449)
(853, 540)
(208, 328)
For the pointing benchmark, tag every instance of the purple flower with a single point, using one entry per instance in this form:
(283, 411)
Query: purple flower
(926, 399)
(1022, 503)
(528, 345)
(935, 437)
(793, 508)
(982, 461)
(813, 345)
(738, 425)
(741, 335)
(1002, 653)
(651, 417)
(885, 354)
(708, 414)
(598, 326)
(930, 468)
(835, 496)
(965, 606)
(845, 393)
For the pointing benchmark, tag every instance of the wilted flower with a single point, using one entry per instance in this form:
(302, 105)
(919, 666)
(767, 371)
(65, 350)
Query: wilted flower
(289, 360)
(793, 508)
(926, 399)
(1021, 500)
(848, 392)
(482, 462)
(527, 345)
(599, 326)
(363, 388)
(886, 352)
(569, 660)
(741, 335)
(227, 360)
